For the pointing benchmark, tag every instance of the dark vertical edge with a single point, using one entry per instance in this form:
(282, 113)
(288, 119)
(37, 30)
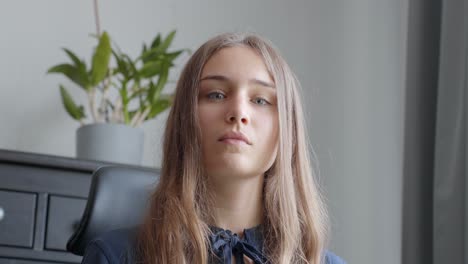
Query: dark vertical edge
(422, 70)
(41, 219)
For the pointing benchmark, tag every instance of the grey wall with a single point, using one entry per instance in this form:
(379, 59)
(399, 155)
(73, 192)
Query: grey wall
(349, 56)
(357, 124)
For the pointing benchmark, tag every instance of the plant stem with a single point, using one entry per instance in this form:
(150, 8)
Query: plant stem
(103, 104)
(125, 113)
(92, 106)
(116, 117)
(135, 118)
(143, 116)
(92, 93)
(96, 17)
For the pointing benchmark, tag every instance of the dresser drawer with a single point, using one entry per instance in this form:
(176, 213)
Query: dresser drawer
(64, 215)
(17, 216)
(22, 261)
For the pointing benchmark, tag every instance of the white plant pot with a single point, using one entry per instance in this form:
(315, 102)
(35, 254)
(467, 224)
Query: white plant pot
(110, 142)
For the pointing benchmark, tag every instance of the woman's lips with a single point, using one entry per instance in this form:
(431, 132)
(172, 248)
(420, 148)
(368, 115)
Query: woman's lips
(233, 141)
(235, 137)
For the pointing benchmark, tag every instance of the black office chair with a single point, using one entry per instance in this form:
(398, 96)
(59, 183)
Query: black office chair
(118, 198)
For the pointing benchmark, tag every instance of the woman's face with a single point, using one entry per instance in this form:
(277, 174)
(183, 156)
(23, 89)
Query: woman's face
(237, 98)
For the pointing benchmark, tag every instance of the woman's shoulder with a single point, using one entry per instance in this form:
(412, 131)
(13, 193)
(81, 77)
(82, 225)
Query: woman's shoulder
(331, 258)
(114, 247)
(111, 247)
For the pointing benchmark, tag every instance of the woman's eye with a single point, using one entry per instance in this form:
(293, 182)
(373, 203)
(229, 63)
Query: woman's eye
(261, 101)
(216, 96)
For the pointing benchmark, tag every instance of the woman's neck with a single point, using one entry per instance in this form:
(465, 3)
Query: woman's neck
(238, 204)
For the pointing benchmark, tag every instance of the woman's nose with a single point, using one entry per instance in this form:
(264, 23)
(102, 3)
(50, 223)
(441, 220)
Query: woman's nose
(234, 118)
(237, 112)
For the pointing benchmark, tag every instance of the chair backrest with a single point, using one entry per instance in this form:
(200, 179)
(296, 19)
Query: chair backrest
(118, 198)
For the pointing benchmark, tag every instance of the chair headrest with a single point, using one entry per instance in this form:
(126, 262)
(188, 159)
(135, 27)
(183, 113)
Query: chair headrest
(118, 198)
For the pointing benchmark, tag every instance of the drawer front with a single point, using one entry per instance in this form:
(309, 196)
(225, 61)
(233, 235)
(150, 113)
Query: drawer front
(17, 216)
(20, 261)
(64, 215)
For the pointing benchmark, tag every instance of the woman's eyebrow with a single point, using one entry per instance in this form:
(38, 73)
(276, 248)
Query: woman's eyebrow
(226, 79)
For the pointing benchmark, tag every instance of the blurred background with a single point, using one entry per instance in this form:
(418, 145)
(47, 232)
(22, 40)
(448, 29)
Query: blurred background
(383, 84)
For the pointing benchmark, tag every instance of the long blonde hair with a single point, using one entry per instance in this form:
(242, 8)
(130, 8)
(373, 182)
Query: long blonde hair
(295, 220)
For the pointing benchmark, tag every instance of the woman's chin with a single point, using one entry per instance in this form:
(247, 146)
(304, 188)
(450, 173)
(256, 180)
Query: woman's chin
(233, 170)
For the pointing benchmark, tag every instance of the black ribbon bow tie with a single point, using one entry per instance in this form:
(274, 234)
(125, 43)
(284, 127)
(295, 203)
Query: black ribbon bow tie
(225, 244)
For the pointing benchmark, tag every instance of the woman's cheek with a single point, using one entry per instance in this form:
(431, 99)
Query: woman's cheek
(209, 113)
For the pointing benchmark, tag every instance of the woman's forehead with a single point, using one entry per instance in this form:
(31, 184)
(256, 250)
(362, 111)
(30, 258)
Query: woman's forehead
(226, 79)
(237, 63)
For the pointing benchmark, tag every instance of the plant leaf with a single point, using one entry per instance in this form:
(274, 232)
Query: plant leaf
(156, 41)
(158, 50)
(173, 55)
(72, 72)
(167, 42)
(81, 65)
(159, 106)
(73, 57)
(139, 92)
(76, 112)
(150, 69)
(155, 90)
(121, 65)
(150, 55)
(101, 59)
(132, 71)
(153, 52)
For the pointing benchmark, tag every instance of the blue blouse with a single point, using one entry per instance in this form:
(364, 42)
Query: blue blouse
(114, 247)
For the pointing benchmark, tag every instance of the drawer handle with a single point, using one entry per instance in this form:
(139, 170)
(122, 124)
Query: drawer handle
(2, 213)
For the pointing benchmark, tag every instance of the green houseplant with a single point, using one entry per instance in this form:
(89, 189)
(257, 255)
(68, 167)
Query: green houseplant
(138, 82)
(141, 79)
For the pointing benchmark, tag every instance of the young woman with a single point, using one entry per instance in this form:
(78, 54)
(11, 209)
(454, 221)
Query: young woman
(236, 182)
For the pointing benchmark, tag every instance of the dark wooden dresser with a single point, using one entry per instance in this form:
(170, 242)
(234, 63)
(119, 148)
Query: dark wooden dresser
(42, 198)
